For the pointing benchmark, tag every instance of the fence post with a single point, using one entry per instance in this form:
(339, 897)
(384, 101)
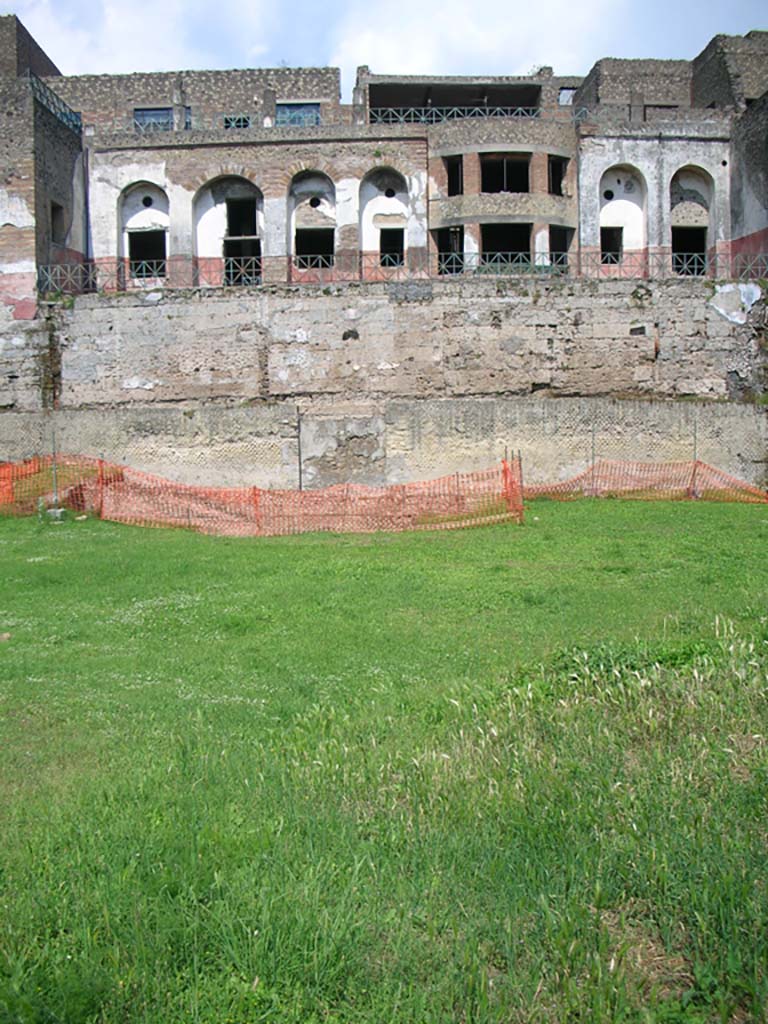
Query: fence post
(298, 446)
(54, 467)
(101, 489)
(592, 474)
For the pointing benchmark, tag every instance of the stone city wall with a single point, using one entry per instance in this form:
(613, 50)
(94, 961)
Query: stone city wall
(260, 443)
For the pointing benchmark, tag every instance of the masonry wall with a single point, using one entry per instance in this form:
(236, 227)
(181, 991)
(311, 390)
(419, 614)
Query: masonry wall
(413, 339)
(17, 201)
(749, 180)
(108, 101)
(393, 441)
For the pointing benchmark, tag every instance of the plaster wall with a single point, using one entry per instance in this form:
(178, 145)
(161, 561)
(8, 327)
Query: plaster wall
(657, 160)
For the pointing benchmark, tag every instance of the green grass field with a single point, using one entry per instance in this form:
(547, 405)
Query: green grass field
(495, 775)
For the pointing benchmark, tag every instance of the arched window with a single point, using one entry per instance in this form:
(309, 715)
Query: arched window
(229, 225)
(623, 217)
(691, 191)
(384, 218)
(312, 221)
(144, 225)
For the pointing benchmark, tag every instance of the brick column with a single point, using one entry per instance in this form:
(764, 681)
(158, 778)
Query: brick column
(538, 173)
(472, 180)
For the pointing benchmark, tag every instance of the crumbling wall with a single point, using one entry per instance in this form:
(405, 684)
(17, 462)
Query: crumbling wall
(261, 443)
(749, 180)
(435, 339)
(108, 101)
(17, 201)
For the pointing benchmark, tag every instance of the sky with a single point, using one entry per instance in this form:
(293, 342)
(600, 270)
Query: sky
(485, 37)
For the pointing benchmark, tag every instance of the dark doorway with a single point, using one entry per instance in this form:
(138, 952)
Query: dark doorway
(313, 248)
(611, 246)
(506, 246)
(391, 247)
(689, 251)
(146, 253)
(559, 244)
(450, 250)
(242, 247)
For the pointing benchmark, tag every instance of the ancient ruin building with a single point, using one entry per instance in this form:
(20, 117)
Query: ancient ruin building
(227, 178)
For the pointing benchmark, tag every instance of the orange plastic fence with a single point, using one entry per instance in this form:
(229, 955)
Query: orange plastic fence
(126, 495)
(675, 481)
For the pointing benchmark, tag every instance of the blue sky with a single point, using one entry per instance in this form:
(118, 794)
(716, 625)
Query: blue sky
(448, 37)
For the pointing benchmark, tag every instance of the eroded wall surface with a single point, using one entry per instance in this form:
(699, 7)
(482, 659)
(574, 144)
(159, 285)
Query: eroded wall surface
(393, 441)
(392, 382)
(412, 339)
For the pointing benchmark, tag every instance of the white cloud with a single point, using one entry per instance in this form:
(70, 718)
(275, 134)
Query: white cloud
(492, 37)
(145, 35)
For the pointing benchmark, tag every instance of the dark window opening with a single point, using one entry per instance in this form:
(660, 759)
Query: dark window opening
(506, 246)
(153, 119)
(242, 261)
(611, 246)
(502, 172)
(450, 250)
(391, 247)
(297, 115)
(146, 253)
(237, 121)
(314, 247)
(147, 201)
(559, 244)
(314, 202)
(454, 166)
(58, 224)
(241, 218)
(187, 118)
(557, 166)
(689, 251)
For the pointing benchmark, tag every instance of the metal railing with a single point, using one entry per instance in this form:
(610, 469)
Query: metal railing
(53, 103)
(436, 115)
(147, 269)
(439, 115)
(122, 275)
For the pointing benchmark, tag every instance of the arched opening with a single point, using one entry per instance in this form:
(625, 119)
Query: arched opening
(623, 216)
(690, 200)
(383, 220)
(144, 222)
(228, 227)
(312, 221)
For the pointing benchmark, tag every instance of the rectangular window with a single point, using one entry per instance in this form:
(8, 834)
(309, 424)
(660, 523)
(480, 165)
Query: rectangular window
(58, 224)
(297, 115)
(557, 168)
(611, 246)
(392, 247)
(504, 172)
(565, 97)
(153, 119)
(146, 253)
(454, 166)
(187, 118)
(237, 121)
(241, 218)
(314, 248)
